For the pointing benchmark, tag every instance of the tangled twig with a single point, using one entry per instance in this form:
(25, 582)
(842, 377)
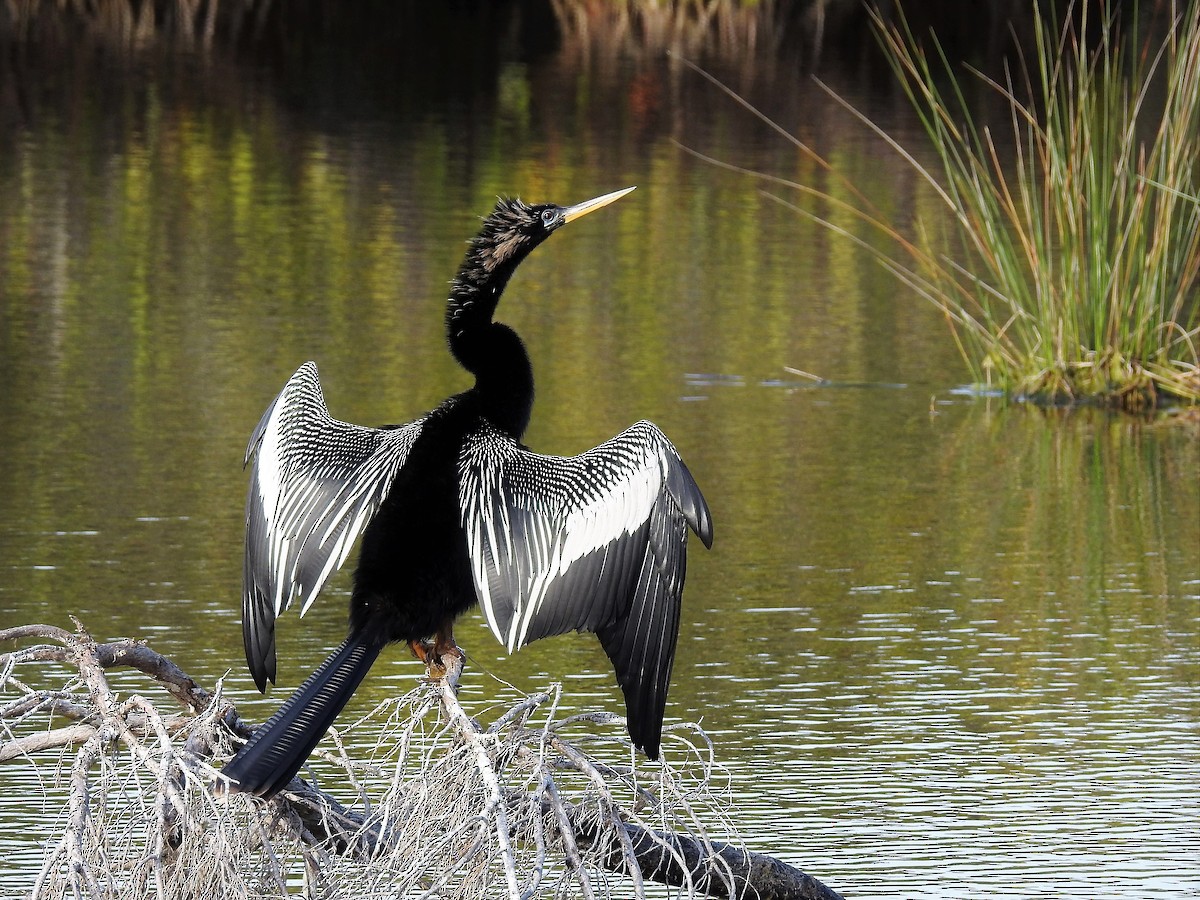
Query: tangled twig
(433, 803)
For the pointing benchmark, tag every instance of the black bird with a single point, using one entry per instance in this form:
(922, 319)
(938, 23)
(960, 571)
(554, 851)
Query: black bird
(454, 510)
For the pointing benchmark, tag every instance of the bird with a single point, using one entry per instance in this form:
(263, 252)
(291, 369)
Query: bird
(452, 510)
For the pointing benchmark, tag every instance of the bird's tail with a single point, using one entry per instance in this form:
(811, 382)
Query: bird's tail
(279, 748)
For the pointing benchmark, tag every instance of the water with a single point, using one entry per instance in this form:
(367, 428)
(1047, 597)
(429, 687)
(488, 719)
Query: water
(945, 648)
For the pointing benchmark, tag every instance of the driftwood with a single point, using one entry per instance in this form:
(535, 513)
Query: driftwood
(442, 805)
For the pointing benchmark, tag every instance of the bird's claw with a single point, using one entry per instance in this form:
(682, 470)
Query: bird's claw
(439, 658)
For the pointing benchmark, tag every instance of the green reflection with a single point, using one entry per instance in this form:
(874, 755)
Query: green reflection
(886, 572)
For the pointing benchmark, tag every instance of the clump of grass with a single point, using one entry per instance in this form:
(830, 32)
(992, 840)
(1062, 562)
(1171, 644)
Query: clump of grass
(1080, 240)
(1084, 255)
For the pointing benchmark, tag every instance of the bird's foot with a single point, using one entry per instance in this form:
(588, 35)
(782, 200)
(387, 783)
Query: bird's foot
(448, 660)
(440, 657)
(422, 650)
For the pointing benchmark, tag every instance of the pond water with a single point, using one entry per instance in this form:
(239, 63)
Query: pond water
(944, 647)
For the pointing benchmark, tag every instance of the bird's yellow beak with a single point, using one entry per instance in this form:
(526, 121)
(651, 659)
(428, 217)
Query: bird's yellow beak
(571, 213)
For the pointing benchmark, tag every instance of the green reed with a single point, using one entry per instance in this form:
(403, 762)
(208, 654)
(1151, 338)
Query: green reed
(1080, 241)
(1075, 276)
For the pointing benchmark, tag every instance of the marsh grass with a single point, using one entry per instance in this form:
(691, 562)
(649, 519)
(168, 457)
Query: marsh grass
(1086, 249)
(1078, 224)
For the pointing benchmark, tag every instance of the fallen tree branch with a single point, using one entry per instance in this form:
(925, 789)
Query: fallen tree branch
(45, 740)
(683, 861)
(441, 803)
(134, 654)
(710, 868)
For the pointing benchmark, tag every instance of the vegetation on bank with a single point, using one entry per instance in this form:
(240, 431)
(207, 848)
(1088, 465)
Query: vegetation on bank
(1078, 225)
(1083, 252)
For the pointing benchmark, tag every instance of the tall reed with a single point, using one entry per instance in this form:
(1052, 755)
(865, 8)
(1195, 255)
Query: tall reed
(1077, 268)
(1081, 256)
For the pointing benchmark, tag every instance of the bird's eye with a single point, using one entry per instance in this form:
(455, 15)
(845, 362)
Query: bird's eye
(547, 217)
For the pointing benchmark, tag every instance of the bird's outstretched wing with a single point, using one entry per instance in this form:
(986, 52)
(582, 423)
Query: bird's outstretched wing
(315, 484)
(595, 542)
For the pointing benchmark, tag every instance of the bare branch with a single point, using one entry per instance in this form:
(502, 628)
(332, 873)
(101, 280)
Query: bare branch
(45, 740)
(440, 802)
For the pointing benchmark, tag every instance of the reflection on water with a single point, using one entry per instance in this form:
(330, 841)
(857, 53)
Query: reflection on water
(945, 648)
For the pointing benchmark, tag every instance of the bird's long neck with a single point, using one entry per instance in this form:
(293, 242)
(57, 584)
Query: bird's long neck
(490, 351)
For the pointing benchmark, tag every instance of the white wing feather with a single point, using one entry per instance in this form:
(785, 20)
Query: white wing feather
(315, 484)
(595, 542)
(530, 518)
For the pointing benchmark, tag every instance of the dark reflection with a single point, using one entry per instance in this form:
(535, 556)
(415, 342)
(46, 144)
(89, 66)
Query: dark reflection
(335, 62)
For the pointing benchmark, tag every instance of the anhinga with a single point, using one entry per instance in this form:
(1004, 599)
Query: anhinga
(454, 510)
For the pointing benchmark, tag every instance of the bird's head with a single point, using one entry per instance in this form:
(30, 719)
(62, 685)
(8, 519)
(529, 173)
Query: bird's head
(491, 351)
(514, 228)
